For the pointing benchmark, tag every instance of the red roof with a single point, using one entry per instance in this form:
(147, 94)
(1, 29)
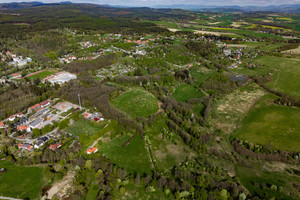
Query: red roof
(96, 119)
(54, 146)
(44, 102)
(22, 127)
(20, 145)
(1, 124)
(92, 150)
(35, 106)
(87, 114)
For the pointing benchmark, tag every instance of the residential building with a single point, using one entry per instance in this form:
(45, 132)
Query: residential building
(45, 103)
(92, 150)
(2, 124)
(12, 118)
(26, 146)
(54, 146)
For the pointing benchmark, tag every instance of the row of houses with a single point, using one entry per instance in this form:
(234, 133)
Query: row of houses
(30, 147)
(38, 106)
(25, 146)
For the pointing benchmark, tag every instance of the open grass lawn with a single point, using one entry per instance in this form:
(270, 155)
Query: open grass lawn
(186, 92)
(136, 103)
(83, 126)
(133, 157)
(20, 182)
(286, 75)
(201, 77)
(269, 124)
(42, 74)
(259, 183)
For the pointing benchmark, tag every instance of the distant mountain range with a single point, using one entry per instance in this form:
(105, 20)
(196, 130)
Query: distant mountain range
(294, 8)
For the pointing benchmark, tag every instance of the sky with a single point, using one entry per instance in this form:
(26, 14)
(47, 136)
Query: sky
(171, 2)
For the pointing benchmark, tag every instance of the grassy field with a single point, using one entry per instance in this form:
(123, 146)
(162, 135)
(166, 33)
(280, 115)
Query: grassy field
(285, 73)
(42, 74)
(133, 157)
(273, 125)
(186, 92)
(136, 103)
(83, 126)
(201, 77)
(259, 183)
(20, 182)
(286, 76)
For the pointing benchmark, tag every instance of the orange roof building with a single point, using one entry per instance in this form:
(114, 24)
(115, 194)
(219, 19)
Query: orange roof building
(92, 150)
(22, 128)
(54, 146)
(36, 106)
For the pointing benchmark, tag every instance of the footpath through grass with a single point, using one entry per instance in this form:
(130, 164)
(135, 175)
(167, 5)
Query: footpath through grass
(20, 182)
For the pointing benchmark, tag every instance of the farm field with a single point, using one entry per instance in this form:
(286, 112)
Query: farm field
(286, 74)
(83, 126)
(186, 92)
(132, 157)
(42, 74)
(271, 125)
(20, 182)
(260, 183)
(136, 103)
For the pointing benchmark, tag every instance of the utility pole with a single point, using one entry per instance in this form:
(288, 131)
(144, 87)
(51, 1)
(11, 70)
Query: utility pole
(79, 100)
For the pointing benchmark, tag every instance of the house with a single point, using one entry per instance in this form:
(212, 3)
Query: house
(34, 108)
(26, 146)
(20, 115)
(12, 118)
(2, 124)
(45, 103)
(23, 128)
(41, 141)
(54, 146)
(87, 115)
(92, 150)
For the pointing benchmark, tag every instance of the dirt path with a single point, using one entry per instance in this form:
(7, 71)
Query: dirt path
(100, 138)
(8, 198)
(61, 185)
